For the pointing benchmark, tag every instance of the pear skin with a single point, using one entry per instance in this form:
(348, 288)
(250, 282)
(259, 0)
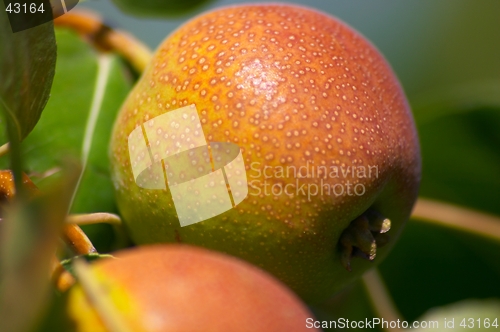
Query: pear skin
(325, 131)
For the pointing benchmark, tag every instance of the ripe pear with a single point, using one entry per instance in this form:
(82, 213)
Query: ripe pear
(184, 288)
(326, 135)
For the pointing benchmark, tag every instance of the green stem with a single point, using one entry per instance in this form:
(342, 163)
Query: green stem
(456, 217)
(381, 298)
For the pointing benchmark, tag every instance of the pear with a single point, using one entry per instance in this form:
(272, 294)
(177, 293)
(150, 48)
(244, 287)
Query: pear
(182, 288)
(312, 115)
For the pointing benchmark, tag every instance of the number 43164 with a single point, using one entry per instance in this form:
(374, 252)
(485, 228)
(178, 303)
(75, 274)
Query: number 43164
(24, 8)
(472, 323)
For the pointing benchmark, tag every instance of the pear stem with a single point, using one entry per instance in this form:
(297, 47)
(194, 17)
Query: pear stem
(77, 240)
(456, 217)
(94, 218)
(102, 217)
(105, 38)
(381, 298)
(96, 295)
(4, 149)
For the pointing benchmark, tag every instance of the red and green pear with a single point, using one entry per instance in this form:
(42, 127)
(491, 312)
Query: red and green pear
(185, 288)
(326, 134)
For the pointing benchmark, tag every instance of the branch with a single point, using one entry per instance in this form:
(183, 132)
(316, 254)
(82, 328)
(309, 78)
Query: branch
(105, 38)
(460, 218)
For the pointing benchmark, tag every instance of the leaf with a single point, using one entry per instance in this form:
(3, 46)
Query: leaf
(474, 315)
(159, 7)
(27, 62)
(459, 140)
(77, 121)
(68, 128)
(29, 238)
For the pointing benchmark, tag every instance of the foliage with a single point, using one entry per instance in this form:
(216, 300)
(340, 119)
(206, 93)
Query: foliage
(27, 61)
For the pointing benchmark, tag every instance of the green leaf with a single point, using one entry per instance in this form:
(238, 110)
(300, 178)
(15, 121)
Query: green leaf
(29, 238)
(461, 157)
(86, 95)
(459, 134)
(27, 62)
(159, 8)
(472, 315)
